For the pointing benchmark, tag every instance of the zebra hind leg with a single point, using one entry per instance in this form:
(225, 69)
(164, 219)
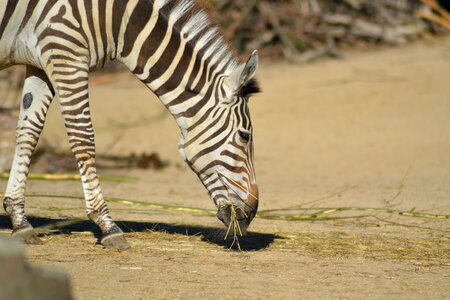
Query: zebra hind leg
(36, 98)
(71, 86)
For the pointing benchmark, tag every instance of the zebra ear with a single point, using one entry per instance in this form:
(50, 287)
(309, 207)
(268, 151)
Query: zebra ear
(250, 69)
(244, 73)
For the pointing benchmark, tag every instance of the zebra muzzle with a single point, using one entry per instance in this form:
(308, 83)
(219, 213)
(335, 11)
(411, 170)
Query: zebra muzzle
(245, 202)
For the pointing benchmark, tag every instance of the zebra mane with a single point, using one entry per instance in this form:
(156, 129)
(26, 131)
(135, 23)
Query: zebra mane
(194, 23)
(250, 88)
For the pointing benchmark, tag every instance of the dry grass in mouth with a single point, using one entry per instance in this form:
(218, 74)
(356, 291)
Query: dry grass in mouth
(234, 224)
(234, 206)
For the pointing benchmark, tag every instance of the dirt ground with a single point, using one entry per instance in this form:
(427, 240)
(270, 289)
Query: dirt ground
(371, 130)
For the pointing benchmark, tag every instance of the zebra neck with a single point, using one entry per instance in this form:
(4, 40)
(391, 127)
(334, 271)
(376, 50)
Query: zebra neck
(173, 49)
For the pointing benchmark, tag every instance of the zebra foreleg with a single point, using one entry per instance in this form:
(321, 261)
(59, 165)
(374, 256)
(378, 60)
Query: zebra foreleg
(71, 86)
(36, 98)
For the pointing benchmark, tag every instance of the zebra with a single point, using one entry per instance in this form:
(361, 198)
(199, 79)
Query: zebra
(175, 50)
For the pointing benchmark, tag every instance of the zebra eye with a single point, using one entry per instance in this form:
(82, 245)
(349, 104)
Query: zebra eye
(244, 135)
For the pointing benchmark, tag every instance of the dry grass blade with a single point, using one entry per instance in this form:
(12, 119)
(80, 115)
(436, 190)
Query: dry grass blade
(268, 214)
(177, 208)
(311, 202)
(152, 205)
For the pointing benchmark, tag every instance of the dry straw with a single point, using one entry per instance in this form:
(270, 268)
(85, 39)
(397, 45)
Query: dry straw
(235, 205)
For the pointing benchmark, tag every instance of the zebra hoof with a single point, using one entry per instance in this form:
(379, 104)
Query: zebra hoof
(27, 235)
(116, 241)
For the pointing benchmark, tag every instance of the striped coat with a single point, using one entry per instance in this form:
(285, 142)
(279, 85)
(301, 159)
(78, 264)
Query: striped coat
(172, 48)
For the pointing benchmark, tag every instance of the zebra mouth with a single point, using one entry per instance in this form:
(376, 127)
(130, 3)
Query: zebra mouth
(245, 209)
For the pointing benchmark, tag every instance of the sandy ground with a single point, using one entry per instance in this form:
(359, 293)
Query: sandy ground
(372, 130)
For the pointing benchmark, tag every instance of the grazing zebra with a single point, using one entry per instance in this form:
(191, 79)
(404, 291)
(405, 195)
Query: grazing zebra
(171, 47)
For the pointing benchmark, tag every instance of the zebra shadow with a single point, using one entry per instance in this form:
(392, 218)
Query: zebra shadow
(252, 241)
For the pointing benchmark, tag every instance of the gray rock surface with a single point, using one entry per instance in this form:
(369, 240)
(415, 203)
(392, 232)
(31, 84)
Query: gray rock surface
(20, 281)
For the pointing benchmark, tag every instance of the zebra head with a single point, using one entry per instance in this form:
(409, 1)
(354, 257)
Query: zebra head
(220, 149)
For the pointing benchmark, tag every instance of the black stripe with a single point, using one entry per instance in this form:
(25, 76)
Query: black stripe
(48, 6)
(90, 19)
(154, 40)
(151, 44)
(210, 148)
(53, 46)
(77, 16)
(136, 23)
(202, 119)
(166, 58)
(196, 69)
(225, 125)
(177, 76)
(201, 133)
(118, 10)
(102, 28)
(243, 113)
(29, 12)
(10, 8)
(191, 111)
(216, 163)
(60, 34)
